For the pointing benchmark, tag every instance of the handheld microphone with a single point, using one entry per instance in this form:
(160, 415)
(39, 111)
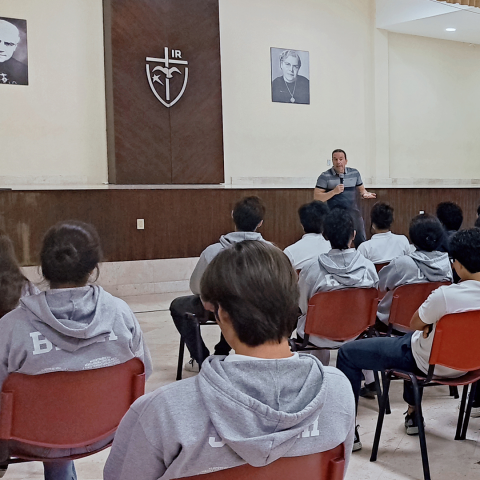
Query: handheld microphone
(341, 175)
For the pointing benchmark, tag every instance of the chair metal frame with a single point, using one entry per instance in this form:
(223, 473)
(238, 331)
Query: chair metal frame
(66, 410)
(455, 345)
(328, 465)
(198, 321)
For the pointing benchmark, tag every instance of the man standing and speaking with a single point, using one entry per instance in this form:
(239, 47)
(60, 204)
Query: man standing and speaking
(338, 187)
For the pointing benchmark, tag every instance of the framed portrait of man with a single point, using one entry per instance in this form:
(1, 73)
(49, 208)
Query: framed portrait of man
(290, 76)
(13, 51)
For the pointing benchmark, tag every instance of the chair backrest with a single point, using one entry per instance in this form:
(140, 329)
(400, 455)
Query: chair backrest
(69, 409)
(341, 314)
(456, 343)
(379, 266)
(329, 465)
(407, 299)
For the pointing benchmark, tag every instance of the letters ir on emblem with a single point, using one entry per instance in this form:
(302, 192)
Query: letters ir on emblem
(160, 76)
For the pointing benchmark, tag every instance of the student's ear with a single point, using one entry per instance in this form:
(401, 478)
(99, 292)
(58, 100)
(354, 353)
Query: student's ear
(353, 238)
(210, 307)
(259, 225)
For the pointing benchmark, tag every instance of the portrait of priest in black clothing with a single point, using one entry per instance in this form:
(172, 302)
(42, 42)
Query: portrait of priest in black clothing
(12, 71)
(289, 87)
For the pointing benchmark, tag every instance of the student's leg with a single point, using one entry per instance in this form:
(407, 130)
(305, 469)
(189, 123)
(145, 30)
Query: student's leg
(61, 470)
(178, 309)
(378, 353)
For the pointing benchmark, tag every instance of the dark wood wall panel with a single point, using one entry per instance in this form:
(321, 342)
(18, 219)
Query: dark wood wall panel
(182, 222)
(149, 143)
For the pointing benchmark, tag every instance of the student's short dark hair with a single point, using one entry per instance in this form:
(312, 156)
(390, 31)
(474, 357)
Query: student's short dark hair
(477, 222)
(465, 247)
(338, 228)
(450, 215)
(248, 213)
(70, 252)
(254, 282)
(478, 211)
(382, 215)
(312, 216)
(339, 150)
(426, 232)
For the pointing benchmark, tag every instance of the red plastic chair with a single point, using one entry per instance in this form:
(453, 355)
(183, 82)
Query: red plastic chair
(66, 410)
(455, 345)
(407, 300)
(329, 465)
(340, 314)
(379, 266)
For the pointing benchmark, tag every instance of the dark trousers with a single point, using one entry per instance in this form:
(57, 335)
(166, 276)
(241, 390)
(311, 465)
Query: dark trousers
(187, 328)
(359, 226)
(380, 354)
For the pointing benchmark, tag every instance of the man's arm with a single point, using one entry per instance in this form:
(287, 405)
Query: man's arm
(322, 195)
(363, 192)
(417, 324)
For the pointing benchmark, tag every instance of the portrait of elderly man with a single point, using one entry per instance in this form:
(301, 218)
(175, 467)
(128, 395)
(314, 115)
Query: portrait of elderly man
(290, 86)
(12, 71)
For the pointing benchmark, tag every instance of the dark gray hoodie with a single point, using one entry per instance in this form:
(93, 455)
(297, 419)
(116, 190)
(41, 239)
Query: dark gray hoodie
(211, 251)
(417, 267)
(236, 411)
(334, 270)
(69, 329)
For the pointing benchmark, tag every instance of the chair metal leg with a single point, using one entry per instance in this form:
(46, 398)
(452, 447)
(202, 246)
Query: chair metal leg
(421, 428)
(181, 351)
(466, 419)
(454, 392)
(381, 415)
(461, 414)
(387, 406)
(378, 388)
(199, 341)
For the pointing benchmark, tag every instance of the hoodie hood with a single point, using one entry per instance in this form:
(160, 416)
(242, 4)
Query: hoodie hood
(432, 264)
(259, 416)
(344, 266)
(71, 318)
(232, 238)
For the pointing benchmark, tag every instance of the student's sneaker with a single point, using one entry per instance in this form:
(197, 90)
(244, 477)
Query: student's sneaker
(357, 444)
(411, 424)
(475, 412)
(191, 366)
(368, 390)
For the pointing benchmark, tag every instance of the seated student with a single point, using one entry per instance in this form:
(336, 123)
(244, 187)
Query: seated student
(412, 351)
(425, 264)
(73, 326)
(247, 215)
(451, 217)
(312, 244)
(255, 406)
(384, 245)
(13, 284)
(341, 267)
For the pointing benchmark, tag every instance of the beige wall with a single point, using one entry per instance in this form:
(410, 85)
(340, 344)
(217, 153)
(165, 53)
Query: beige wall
(434, 108)
(266, 139)
(53, 131)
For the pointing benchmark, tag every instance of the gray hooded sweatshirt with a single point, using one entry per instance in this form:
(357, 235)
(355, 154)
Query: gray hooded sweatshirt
(236, 411)
(69, 329)
(334, 270)
(226, 241)
(417, 267)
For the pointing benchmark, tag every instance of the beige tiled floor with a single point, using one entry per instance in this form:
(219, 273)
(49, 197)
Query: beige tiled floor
(399, 456)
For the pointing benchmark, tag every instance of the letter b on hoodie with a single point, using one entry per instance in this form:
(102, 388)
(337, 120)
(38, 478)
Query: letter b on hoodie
(40, 346)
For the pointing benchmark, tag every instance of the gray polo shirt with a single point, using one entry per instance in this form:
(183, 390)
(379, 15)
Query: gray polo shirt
(348, 198)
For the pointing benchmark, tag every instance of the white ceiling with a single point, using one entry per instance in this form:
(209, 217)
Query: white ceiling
(429, 18)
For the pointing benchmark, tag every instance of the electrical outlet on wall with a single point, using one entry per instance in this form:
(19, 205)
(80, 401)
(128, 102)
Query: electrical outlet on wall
(421, 212)
(140, 224)
(329, 162)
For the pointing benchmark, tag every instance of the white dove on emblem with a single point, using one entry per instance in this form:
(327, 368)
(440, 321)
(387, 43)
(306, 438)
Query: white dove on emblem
(167, 71)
